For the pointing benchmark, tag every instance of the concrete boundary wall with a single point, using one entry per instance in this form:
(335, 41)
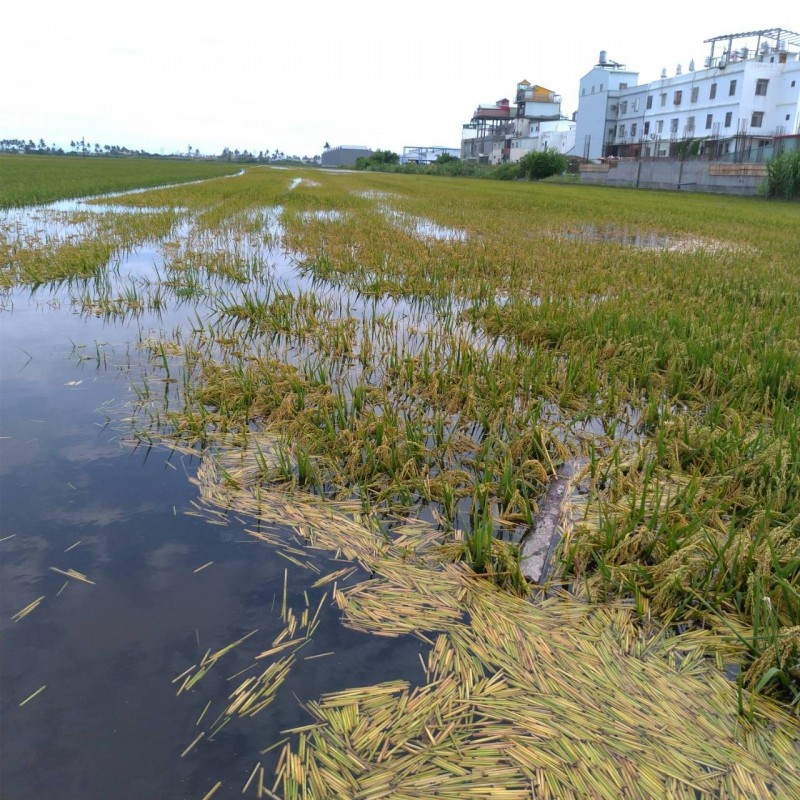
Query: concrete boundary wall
(684, 176)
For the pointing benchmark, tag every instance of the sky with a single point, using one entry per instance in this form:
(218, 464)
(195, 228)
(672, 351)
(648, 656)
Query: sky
(164, 75)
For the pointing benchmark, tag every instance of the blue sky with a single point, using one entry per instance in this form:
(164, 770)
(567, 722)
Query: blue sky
(163, 75)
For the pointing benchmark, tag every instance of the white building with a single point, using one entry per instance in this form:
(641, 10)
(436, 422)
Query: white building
(426, 155)
(743, 98)
(502, 132)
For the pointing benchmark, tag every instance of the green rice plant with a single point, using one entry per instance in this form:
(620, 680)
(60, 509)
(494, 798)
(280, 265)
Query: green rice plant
(783, 176)
(29, 179)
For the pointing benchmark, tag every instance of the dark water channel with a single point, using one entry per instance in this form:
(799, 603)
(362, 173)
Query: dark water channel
(109, 723)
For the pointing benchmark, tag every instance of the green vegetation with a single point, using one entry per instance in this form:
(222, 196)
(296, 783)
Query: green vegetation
(29, 179)
(533, 166)
(378, 159)
(449, 168)
(538, 165)
(783, 176)
(450, 344)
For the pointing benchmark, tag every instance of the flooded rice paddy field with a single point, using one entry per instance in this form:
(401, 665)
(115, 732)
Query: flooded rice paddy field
(270, 445)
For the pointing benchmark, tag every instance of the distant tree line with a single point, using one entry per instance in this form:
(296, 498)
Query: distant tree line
(80, 147)
(266, 157)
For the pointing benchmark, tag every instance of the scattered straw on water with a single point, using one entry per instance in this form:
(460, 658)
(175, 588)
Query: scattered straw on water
(23, 612)
(74, 574)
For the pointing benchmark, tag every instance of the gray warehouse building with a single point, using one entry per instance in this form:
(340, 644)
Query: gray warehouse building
(344, 156)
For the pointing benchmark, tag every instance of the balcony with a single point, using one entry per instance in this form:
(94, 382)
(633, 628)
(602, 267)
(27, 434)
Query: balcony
(492, 112)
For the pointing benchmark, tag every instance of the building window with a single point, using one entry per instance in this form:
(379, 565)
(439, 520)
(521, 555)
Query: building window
(583, 91)
(636, 104)
(623, 107)
(712, 92)
(621, 132)
(592, 89)
(728, 118)
(695, 93)
(678, 96)
(601, 87)
(633, 130)
(660, 126)
(690, 125)
(793, 84)
(709, 121)
(623, 86)
(732, 89)
(757, 119)
(673, 126)
(663, 98)
(646, 130)
(649, 103)
(761, 86)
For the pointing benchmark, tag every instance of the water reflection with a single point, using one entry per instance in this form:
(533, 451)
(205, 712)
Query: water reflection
(641, 240)
(421, 227)
(109, 723)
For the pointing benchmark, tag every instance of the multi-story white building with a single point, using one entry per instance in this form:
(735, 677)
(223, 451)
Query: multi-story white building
(743, 97)
(539, 124)
(502, 132)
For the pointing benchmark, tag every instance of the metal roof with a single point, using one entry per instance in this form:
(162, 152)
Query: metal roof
(787, 37)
